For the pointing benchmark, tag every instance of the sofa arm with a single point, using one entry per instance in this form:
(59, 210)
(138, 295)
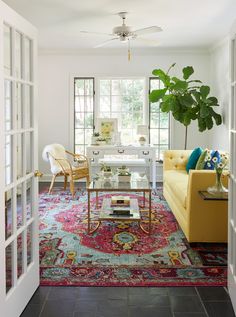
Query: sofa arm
(176, 159)
(207, 218)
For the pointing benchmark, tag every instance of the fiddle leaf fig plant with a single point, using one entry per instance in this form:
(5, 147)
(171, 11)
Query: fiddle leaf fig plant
(186, 99)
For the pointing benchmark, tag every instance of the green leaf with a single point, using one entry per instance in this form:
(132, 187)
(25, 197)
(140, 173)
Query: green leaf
(212, 101)
(201, 125)
(187, 72)
(204, 90)
(204, 111)
(180, 85)
(157, 94)
(217, 117)
(162, 75)
(186, 100)
(209, 122)
(165, 106)
(194, 81)
(197, 96)
(187, 119)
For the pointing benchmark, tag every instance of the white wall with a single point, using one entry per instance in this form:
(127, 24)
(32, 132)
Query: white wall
(54, 89)
(220, 83)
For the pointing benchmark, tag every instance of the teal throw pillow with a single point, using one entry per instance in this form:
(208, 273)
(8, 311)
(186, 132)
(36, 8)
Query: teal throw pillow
(192, 161)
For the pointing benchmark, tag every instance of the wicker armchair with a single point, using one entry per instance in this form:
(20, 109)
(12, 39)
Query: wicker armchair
(63, 162)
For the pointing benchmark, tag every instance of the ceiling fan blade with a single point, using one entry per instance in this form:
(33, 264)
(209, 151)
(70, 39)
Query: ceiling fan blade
(99, 33)
(147, 41)
(106, 42)
(148, 30)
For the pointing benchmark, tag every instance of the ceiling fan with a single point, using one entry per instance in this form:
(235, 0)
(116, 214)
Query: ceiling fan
(124, 33)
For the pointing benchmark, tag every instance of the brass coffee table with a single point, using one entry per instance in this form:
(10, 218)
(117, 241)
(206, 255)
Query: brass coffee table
(136, 184)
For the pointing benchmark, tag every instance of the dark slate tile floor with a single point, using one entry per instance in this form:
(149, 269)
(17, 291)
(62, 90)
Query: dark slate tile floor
(129, 302)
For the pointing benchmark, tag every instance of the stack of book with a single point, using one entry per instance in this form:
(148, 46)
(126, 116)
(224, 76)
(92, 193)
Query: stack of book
(120, 206)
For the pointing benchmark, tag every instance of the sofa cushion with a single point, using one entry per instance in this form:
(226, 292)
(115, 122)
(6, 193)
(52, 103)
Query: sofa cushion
(192, 161)
(201, 161)
(209, 164)
(177, 181)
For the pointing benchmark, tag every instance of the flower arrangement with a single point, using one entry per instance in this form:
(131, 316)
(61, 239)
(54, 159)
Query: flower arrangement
(105, 168)
(219, 164)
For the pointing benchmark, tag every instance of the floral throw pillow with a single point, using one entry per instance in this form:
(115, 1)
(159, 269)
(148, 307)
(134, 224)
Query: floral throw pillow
(211, 159)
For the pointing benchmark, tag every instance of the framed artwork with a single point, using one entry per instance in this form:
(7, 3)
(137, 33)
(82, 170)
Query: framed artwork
(107, 127)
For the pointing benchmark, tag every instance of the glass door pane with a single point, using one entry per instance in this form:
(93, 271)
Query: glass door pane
(18, 55)
(7, 51)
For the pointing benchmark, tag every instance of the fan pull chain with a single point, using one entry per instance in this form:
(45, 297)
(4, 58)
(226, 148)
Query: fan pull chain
(129, 52)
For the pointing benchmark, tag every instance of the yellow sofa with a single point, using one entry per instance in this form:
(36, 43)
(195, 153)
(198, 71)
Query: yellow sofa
(201, 220)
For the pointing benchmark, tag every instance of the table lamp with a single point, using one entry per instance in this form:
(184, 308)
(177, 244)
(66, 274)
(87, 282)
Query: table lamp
(142, 131)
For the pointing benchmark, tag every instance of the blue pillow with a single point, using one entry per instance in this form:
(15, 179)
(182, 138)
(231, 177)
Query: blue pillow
(193, 158)
(209, 165)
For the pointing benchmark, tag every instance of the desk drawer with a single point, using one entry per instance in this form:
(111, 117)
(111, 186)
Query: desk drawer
(146, 154)
(95, 153)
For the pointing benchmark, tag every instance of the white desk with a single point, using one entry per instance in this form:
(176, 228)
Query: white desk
(148, 153)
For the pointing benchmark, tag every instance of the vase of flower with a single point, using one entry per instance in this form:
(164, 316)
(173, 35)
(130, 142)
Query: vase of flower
(219, 167)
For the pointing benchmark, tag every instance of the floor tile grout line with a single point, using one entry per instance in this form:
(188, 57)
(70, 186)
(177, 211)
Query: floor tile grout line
(202, 302)
(171, 309)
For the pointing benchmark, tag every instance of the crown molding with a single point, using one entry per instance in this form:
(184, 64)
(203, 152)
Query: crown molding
(223, 42)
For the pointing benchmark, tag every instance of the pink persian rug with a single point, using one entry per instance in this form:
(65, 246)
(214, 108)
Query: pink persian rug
(118, 253)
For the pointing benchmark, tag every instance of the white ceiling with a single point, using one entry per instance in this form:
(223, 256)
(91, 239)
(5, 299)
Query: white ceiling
(185, 23)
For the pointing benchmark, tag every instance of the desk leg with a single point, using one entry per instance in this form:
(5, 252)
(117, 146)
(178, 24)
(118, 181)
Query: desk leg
(154, 173)
(96, 200)
(150, 212)
(88, 211)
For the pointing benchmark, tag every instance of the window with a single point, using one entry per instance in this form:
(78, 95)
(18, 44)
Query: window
(83, 113)
(123, 99)
(158, 122)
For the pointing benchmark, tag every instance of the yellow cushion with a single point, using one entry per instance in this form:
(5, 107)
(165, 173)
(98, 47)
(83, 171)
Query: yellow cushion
(177, 181)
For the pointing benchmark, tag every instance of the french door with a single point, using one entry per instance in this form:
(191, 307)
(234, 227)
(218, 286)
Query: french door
(19, 265)
(232, 196)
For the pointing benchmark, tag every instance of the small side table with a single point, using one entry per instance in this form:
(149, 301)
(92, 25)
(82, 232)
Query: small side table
(213, 196)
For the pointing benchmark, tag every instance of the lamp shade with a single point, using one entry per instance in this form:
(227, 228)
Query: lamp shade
(142, 129)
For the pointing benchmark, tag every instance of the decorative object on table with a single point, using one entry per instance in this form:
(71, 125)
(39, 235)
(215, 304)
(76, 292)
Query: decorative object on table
(102, 259)
(120, 200)
(187, 100)
(142, 131)
(61, 165)
(219, 163)
(107, 172)
(122, 169)
(95, 136)
(107, 127)
(124, 176)
(101, 141)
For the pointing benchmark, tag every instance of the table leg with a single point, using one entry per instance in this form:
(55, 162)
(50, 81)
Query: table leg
(154, 172)
(88, 211)
(96, 200)
(150, 212)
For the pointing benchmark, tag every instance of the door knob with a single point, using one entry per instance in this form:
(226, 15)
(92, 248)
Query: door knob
(37, 173)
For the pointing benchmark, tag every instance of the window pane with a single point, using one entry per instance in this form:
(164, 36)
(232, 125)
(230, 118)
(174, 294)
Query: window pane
(154, 107)
(154, 136)
(7, 51)
(79, 136)
(18, 55)
(88, 87)
(105, 87)
(27, 59)
(88, 103)
(164, 120)
(9, 266)
(28, 148)
(79, 120)
(27, 107)
(164, 135)
(19, 155)
(79, 86)
(154, 120)
(105, 103)
(8, 159)
(79, 149)
(29, 245)
(19, 255)
(8, 214)
(88, 120)
(29, 198)
(8, 105)
(19, 117)
(88, 136)
(79, 103)
(19, 201)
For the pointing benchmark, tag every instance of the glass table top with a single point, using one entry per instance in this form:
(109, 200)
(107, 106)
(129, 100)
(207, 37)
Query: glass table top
(138, 181)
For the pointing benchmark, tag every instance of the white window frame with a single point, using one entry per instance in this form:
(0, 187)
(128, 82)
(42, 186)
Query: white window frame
(97, 78)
